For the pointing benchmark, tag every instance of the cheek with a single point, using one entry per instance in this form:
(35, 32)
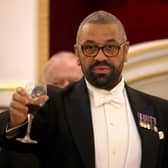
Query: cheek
(117, 61)
(86, 62)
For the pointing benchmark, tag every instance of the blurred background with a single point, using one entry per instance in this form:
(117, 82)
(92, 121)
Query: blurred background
(144, 20)
(31, 31)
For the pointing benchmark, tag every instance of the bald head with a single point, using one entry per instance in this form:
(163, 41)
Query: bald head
(101, 17)
(62, 69)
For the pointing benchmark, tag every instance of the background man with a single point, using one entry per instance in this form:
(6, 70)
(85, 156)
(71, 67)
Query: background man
(62, 69)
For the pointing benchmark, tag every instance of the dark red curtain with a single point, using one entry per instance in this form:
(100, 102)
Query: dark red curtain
(144, 19)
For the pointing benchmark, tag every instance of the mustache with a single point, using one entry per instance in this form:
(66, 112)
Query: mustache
(97, 63)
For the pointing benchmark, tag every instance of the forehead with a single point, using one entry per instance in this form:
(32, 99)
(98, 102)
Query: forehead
(64, 66)
(66, 73)
(100, 32)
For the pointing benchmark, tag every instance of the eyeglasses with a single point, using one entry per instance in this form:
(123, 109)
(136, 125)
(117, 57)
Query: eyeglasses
(109, 50)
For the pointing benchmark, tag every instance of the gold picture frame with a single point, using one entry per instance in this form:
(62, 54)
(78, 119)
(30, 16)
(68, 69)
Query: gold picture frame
(43, 43)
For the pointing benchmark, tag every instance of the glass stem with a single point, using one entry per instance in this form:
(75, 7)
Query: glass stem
(29, 118)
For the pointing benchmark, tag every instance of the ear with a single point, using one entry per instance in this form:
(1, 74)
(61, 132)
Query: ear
(77, 54)
(76, 50)
(126, 49)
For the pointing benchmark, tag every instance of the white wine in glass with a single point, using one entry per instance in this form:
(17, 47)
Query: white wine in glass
(34, 90)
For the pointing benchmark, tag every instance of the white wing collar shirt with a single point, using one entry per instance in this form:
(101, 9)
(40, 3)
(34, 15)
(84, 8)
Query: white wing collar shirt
(117, 142)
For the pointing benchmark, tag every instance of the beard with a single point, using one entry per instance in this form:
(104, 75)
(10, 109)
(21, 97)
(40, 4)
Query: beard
(103, 81)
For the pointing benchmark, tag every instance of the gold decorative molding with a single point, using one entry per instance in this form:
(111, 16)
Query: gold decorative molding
(43, 43)
(148, 48)
(148, 76)
(43, 35)
(146, 63)
(10, 87)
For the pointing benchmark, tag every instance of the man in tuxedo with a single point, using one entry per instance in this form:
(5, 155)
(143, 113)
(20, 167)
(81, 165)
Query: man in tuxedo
(98, 122)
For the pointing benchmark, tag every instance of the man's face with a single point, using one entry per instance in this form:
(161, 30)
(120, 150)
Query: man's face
(102, 71)
(62, 73)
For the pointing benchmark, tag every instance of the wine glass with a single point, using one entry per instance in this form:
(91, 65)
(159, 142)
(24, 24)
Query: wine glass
(34, 90)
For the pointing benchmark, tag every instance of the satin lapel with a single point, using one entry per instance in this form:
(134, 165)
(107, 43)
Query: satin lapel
(79, 117)
(149, 139)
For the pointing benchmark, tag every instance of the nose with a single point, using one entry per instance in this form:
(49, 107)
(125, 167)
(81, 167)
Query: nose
(100, 56)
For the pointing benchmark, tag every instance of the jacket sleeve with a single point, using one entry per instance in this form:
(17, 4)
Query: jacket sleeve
(4, 116)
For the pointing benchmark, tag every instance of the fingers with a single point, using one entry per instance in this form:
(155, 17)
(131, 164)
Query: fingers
(18, 106)
(19, 101)
(21, 96)
(16, 118)
(18, 109)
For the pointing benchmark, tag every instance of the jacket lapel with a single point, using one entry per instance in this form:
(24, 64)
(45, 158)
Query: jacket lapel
(79, 117)
(149, 138)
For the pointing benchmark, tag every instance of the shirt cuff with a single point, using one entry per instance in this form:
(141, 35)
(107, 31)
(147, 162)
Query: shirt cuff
(15, 131)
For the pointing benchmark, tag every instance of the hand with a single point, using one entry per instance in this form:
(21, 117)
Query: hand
(18, 107)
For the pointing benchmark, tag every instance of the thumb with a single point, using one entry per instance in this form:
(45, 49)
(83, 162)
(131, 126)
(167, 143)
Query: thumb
(40, 100)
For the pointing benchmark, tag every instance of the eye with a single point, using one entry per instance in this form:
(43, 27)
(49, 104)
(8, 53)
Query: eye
(89, 47)
(110, 46)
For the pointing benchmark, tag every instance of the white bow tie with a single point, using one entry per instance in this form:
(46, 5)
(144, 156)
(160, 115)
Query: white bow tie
(108, 99)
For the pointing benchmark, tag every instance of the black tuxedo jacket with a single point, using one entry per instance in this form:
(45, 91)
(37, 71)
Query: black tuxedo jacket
(64, 129)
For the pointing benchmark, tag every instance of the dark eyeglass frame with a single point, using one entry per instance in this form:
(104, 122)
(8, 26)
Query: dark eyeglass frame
(98, 48)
